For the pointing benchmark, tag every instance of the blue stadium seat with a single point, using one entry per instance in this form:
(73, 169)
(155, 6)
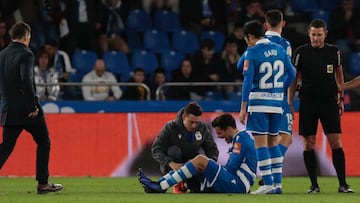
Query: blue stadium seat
(329, 5)
(322, 14)
(139, 20)
(144, 59)
(235, 96)
(83, 60)
(217, 37)
(170, 61)
(303, 5)
(117, 63)
(354, 66)
(185, 41)
(213, 96)
(166, 20)
(133, 39)
(156, 41)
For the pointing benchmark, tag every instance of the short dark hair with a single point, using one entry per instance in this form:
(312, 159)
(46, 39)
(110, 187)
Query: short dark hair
(19, 30)
(273, 17)
(193, 108)
(224, 121)
(317, 23)
(52, 43)
(254, 27)
(207, 43)
(139, 69)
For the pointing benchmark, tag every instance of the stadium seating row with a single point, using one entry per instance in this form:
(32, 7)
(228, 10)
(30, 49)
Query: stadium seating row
(122, 65)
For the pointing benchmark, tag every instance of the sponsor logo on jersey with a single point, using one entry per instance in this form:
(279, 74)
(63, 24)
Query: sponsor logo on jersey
(246, 65)
(236, 148)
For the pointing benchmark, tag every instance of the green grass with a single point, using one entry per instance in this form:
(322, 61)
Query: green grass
(105, 190)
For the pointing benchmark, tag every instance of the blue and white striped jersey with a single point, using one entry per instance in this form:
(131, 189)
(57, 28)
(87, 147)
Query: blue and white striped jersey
(242, 159)
(268, 72)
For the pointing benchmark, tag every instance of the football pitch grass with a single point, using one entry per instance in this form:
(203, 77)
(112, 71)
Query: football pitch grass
(105, 190)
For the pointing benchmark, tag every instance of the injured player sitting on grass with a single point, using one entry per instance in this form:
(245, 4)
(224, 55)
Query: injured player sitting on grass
(237, 176)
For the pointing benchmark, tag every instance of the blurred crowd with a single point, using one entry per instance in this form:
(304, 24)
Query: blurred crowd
(159, 41)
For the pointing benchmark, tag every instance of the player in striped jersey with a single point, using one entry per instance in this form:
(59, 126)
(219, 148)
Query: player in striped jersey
(268, 73)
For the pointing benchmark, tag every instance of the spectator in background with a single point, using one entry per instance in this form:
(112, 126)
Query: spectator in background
(137, 92)
(152, 5)
(254, 11)
(4, 34)
(344, 26)
(102, 91)
(230, 72)
(59, 60)
(47, 26)
(200, 15)
(183, 74)
(238, 35)
(83, 18)
(207, 65)
(44, 73)
(158, 80)
(113, 25)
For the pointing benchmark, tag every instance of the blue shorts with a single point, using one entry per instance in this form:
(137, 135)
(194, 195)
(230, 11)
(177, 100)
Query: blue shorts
(216, 179)
(286, 124)
(263, 123)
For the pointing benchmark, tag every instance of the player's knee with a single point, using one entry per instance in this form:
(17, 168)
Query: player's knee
(286, 140)
(200, 162)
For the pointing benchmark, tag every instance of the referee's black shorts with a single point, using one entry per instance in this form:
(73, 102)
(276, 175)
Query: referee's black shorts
(312, 110)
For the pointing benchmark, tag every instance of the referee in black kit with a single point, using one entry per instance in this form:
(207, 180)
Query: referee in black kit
(319, 69)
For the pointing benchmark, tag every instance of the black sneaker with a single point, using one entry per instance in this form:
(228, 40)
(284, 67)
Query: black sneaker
(313, 189)
(345, 189)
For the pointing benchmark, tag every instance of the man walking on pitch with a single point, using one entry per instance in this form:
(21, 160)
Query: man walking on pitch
(20, 107)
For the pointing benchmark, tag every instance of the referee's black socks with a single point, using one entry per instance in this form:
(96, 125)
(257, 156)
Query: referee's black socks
(338, 158)
(310, 163)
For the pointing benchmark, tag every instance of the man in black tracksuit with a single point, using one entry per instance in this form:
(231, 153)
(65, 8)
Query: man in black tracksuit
(181, 140)
(319, 68)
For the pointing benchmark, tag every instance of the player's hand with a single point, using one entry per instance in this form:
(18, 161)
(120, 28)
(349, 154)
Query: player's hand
(242, 117)
(292, 110)
(34, 113)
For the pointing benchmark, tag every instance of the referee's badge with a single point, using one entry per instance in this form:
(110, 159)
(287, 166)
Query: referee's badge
(198, 136)
(330, 68)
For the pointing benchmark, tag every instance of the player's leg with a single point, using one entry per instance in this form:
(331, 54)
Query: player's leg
(189, 170)
(274, 151)
(177, 156)
(258, 125)
(10, 135)
(308, 121)
(285, 129)
(216, 179)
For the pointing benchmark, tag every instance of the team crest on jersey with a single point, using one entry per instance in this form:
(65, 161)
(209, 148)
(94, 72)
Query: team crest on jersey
(198, 136)
(246, 65)
(330, 68)
(179, 136)
(236, 148)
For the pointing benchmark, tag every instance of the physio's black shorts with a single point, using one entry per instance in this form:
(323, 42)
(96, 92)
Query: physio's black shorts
(311, 111)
